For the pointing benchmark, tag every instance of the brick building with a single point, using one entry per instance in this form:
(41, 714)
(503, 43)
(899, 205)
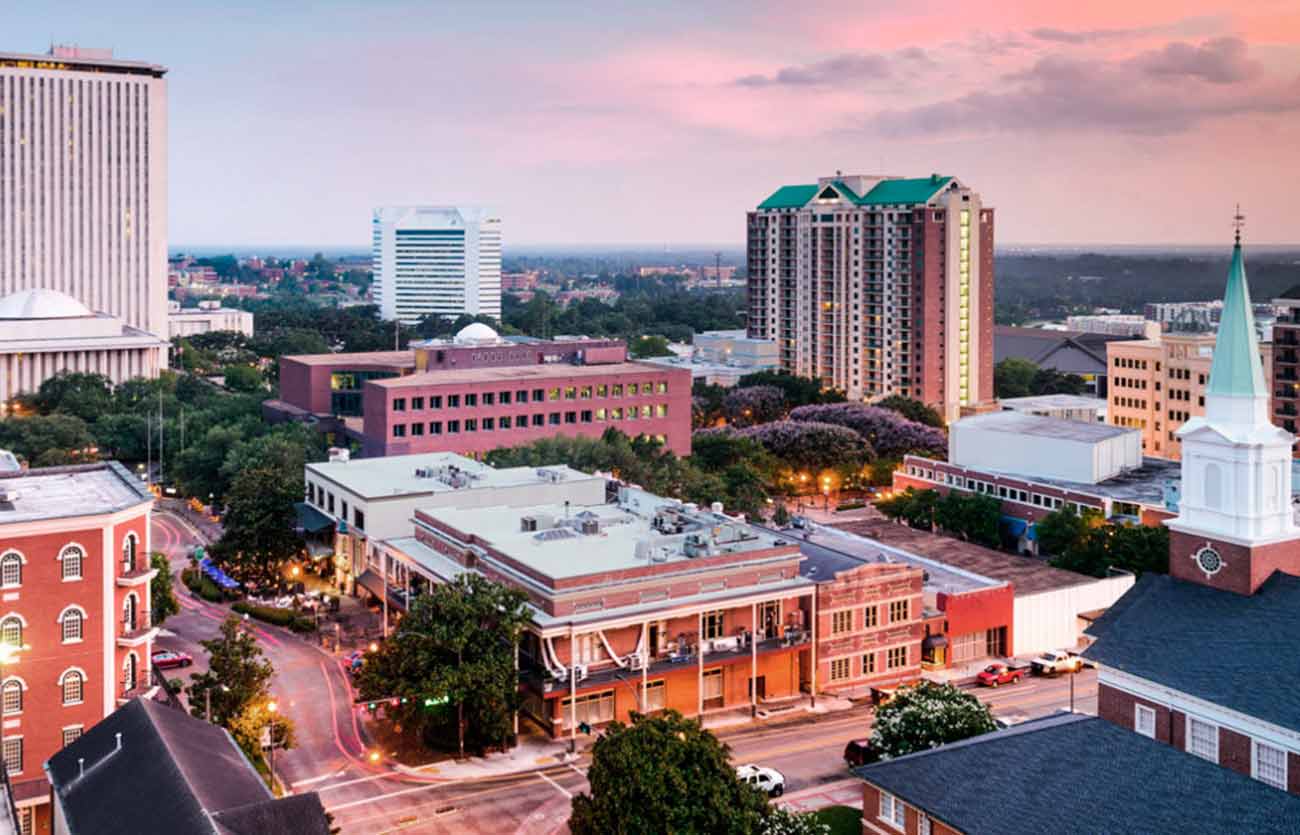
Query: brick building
(1199, 719)
(74, 572)
(878, 286)
(479, 391)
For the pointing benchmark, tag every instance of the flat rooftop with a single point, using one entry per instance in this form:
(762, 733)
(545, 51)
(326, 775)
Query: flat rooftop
(836, 549)
(515, 374)
(445, 472)
(1019, 423)
(91, 59)
(66, 492)
(565, 542)
(397, 359)
(1029, 576)
(1053, 401)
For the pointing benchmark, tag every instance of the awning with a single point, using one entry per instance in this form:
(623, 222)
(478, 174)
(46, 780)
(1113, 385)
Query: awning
(371, 582)
(1015, 526)
(934, 642)
(310, 519)
(218, 576)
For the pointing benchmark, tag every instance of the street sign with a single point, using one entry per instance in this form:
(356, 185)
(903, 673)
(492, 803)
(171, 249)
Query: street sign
(199, 552)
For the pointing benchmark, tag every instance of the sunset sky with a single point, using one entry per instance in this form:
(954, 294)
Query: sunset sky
(604, 123)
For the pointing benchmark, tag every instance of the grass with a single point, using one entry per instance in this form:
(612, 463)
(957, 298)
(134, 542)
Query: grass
(843, 820)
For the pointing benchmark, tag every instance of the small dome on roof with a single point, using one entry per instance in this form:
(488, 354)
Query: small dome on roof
(42, 304)
(476, 332)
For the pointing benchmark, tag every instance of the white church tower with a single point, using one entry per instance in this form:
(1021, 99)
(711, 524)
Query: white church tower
(1236, 465)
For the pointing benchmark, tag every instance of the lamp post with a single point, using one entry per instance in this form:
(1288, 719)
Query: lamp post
(271, 708)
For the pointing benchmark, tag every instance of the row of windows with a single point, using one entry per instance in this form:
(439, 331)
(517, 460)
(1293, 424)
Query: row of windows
(504, 398)
(1002, 491)
(1268, 763)
(1129, 402)
(842, 621)
(13, 757)
(491, 424)
(323, 499)
(1132, 383)
(842, 668)
(72, 689)
(1129, 362)
(72, 558)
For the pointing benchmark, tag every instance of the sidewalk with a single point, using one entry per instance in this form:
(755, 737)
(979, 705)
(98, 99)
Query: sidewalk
(533, 752)
(846, 792)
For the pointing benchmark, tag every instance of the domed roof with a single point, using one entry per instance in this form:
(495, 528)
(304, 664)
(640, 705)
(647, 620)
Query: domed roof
(476, 332)
(40, 303)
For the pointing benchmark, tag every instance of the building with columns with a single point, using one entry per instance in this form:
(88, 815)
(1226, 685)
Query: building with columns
(74, 577)
(878, 286)
(1198, 726)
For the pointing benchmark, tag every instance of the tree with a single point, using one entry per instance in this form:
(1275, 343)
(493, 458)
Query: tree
(799, 391)
(48, 440)
(452, 661)
(784, 822)
(913, 410)
(916, 507)
(1051, 381)
(1135, 548)
(974, 517)
(243, 378)
(260, 533)
(1014, 377)
(753, 405)
(237, 676)
(162, 599)
(1064, 529)
(650, 346)
(82, 395)
(664, 774)
(926, 715)
(808, 445)
(890, 434)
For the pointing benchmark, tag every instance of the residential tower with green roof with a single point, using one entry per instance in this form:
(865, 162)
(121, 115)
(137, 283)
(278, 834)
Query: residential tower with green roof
(878, 286)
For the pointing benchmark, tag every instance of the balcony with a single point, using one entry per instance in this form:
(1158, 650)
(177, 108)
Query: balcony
(129, 637)
(139, 577)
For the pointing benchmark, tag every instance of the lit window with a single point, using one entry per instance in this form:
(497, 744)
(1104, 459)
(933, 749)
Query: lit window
(71, 558)
(11, 631)
(71, 735)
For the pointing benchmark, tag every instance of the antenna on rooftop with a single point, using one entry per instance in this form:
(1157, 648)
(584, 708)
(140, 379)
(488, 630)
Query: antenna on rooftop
(1238, 221)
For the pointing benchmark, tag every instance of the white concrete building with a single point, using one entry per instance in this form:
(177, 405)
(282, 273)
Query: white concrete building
(1044, 447)
(44, 332)
(372, 499)
(206, 318)
(1115, 324)
(83, 181)
(439, 260)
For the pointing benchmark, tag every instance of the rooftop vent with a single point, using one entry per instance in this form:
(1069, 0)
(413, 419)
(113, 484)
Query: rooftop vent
(528, 524)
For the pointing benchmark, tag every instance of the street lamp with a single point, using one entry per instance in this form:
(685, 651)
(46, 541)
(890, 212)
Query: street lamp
(271, 708)
(374, 757)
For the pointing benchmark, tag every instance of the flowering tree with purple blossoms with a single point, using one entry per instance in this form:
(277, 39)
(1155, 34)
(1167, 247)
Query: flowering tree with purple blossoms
(888, 433)
(754, 405)
(810, 445)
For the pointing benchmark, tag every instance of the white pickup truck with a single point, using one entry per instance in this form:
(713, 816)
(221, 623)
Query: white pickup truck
(767, 780)
(1056, 661)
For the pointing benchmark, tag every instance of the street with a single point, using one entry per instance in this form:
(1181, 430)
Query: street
(331, 755)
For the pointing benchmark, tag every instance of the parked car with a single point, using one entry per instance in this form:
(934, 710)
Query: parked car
(1056, 661)
(767, 780)
(999, 673)
(860, 752)
(165, 659)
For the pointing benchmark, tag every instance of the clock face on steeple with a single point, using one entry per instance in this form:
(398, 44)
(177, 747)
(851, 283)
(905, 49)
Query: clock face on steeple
(1208, 560)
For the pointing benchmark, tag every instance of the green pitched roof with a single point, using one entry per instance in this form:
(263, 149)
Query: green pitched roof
(1236, 370)
(917, 190)
(789, 197)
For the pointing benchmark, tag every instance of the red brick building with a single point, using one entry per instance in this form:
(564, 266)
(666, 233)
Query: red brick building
(74, 583)
(478, 392)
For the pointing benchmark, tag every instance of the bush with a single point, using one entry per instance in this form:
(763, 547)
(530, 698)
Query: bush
(288, 618)
(202, 585)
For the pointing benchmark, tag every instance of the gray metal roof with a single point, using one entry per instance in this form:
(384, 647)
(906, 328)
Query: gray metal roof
(1079, 775)
(61, 492)
(1020, 423)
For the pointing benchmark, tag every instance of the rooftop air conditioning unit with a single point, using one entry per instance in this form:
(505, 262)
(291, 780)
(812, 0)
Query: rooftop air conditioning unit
(528, 524)
(589, 527)
(424, 472)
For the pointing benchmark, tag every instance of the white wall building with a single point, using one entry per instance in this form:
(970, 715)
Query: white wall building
(83, 181)
(44, 332)
(1115, 324)
(441, 260)
(1044, 447)
(206, 318)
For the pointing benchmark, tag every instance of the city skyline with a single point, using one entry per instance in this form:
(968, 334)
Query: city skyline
(558, 121)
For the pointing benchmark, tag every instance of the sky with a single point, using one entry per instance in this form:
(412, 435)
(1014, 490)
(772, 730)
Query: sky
(663, 123)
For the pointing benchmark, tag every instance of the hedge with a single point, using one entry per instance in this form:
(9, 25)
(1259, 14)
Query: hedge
(199, 583)
(287, 618)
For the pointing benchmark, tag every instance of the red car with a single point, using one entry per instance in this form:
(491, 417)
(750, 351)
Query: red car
(166, 659)
(999, 673)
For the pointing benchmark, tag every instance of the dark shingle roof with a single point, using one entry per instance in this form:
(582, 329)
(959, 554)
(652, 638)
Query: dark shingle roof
(283, 817)
(187, 768)
(1080, 775)
(1234, 650)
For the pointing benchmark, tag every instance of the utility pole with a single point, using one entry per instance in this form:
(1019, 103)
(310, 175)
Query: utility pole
(160, 437)
(148, 450)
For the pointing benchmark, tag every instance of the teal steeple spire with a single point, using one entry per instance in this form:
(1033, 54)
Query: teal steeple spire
(1237, 370)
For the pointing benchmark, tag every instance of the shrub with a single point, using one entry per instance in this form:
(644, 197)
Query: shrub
(288, 618)
(202, 585)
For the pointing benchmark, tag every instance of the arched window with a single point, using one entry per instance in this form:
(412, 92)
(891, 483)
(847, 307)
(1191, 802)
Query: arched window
(128, 554)
(129, 613)
(71, 557)
(11, 696)
(73, 685)
(72, 621)
(11, 569)
(11, 631)
(128, 673)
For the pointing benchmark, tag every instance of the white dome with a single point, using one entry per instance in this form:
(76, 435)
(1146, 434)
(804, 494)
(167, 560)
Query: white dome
(42, 304)
(477, 332)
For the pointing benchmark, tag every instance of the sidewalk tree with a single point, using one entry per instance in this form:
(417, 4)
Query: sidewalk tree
(915, 507)
(971, 516)
(926, 715)
(1064, 529)
(162, 599)
(451, 663)
(664, 774)
(238, 676)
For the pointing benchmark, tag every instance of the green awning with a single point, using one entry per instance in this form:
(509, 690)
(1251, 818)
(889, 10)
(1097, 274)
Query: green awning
(310, 519)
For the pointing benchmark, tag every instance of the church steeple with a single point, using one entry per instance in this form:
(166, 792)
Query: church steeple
(1237, 370)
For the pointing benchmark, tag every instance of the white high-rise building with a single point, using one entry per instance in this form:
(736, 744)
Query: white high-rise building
(442, 260)
(83, 181)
